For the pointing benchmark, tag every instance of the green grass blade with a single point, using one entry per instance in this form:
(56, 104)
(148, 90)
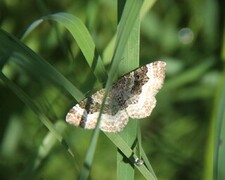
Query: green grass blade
(130, 154)
(130, 50)
(84, 40)
(219, 145)
(89, 156)
(108, 52)
(13, 51)
(32, 27)
(35, 108)
(34, 64)
(131, 61)
(146, 6)
(125, 169)
(126, 25)
(147, 163)
(55, 132)
(44, 150)
(125, 28)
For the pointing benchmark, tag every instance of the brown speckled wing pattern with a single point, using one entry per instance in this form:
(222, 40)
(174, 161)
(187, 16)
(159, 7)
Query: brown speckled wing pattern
(132, 96)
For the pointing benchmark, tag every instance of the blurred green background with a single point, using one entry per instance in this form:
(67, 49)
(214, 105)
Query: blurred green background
(178, 137)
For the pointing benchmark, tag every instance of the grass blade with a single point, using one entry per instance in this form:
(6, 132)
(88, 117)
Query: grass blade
(12, 50)
(128, 152)
(125, 28)
(219, 146)
(84, 40)
(35, 108)
(125, 170)
(25, 57)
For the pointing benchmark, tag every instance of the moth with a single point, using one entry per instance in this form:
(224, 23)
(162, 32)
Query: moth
(131, 96)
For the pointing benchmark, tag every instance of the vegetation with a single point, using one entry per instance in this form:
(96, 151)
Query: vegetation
(50, 60)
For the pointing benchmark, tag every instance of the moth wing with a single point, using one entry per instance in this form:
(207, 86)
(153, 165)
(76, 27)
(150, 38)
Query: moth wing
(143, 102)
